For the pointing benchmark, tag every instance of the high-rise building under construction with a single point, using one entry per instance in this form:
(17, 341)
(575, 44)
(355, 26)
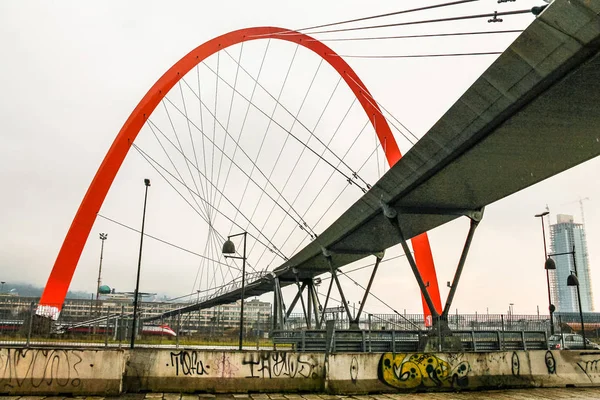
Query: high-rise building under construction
(566, 236)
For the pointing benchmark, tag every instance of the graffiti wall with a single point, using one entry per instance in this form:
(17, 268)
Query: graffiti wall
(104, 372)
(427, 370)
(49, 371)
(196, 370)
(390, 372)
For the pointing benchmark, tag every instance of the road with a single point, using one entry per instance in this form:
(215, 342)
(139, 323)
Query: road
(521, 394)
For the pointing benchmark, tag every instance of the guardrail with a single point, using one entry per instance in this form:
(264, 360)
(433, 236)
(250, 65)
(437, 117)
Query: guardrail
(407, 341)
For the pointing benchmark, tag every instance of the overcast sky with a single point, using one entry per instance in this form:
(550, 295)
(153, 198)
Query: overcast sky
(72, 72)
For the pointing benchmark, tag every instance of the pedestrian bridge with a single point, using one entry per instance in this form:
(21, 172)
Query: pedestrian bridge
(531, 115)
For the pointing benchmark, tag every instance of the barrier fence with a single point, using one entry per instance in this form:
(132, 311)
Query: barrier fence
(104, 323)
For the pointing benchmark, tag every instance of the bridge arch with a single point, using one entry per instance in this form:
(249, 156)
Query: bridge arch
(72, 247)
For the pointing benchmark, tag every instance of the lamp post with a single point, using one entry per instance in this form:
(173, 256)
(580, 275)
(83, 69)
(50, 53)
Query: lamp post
(572, 280)
(2, 287)
(103, 237)
(229, 248)
(137, 282)
(551, 307)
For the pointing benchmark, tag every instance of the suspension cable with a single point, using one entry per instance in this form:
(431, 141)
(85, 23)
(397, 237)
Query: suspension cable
(154, 164)
(302, 125)
(264, 137)
(243, 152)
(320, 191)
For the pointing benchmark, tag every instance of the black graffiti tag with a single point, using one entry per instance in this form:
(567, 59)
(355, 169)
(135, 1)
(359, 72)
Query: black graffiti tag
(550, 362)
(279, 363)
(515, 364)
(188, 363)
(39, 367)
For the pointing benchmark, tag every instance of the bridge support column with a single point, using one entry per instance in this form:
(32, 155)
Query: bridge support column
(312, 293)
(378, 258)
(278, 307)
(326, 300)
(475, 219)
(339, 286)
(440, 337)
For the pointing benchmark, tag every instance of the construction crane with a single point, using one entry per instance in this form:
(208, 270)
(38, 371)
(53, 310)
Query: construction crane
(580, 201)
(581, 207)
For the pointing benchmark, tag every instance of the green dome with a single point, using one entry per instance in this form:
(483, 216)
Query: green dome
(104, 289)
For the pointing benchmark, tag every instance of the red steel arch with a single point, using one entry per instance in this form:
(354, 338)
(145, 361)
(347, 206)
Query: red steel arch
(70, 252)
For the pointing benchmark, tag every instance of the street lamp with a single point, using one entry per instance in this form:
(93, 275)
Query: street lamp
(547, 267)
(137, 282)
(229, 248)
(2, 287)
(103, 237)
(572, 280)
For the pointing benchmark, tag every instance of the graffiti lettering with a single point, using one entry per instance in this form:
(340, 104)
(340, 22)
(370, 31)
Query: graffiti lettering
(24, 367)
(354, 370)
(275, 364)
(550, 362)
(515, 364)
(188, 363)
(223, 367)
(421, 370)
(590, 367)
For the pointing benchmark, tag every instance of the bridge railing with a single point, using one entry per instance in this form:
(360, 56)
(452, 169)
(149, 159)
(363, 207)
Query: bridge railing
(408, 341)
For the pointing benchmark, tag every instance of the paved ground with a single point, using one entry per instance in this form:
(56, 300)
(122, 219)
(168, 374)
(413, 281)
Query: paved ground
(522, 394)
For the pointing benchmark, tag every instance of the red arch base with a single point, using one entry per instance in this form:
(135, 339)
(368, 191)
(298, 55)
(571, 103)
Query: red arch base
(70, 252)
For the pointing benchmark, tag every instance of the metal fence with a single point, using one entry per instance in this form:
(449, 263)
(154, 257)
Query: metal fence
(104, 325)
(94, 324)
(410, 341)
(563, 322)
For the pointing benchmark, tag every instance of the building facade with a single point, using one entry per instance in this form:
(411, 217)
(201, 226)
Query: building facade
(257, 314)
(566, 236)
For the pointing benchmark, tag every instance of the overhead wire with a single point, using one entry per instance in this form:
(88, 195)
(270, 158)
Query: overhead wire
(419, 22)
(416, 36)
(377, 16)
(163, 241)
(483, 53)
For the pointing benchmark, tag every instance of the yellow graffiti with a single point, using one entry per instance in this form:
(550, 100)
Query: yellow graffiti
(421, 370)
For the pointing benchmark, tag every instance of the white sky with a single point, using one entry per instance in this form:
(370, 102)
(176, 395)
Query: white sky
(72, 72)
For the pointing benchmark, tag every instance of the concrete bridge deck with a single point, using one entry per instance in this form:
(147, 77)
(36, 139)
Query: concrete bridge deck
(523, 394)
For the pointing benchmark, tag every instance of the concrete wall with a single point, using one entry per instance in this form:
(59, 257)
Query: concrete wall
(52, 371)
(360, 373)
(104, 372)
(218, 371)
